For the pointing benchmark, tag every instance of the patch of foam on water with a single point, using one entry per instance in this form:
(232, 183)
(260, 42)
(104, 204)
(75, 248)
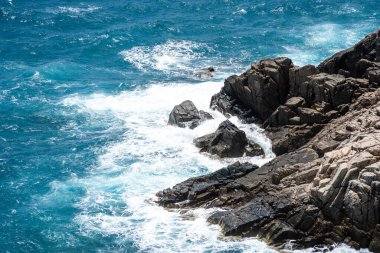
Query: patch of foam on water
(331, 36)
(75, 10)
(150, 157)
(171, 56)
(316, 39)
(300, 56)
(240, 11)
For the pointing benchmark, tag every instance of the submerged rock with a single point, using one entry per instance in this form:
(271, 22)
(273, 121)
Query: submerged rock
(207, 72)
(187, 115)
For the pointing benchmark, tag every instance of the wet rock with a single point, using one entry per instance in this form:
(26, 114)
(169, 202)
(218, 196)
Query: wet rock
(206, 73)
(187, 115)
(227, 141)
(253, 149)
(197, 191)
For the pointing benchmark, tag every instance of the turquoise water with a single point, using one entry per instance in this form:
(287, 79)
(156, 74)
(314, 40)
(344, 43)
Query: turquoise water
(86, 89)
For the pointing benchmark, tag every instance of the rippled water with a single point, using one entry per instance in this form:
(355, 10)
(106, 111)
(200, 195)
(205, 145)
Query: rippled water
(86, 89)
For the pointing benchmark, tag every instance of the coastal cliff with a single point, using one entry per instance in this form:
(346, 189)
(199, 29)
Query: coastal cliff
(324, 122)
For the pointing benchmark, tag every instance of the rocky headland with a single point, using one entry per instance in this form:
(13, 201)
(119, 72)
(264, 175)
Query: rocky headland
(324, 122)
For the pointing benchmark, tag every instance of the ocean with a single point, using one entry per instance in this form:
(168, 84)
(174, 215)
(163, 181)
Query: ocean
(86, 90)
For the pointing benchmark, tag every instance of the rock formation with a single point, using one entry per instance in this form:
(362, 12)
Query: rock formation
(227, 141)
(261, 89)
(324, 185)
(187, 115)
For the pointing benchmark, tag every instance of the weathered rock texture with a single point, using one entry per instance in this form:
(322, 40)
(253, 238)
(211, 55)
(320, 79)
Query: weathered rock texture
(260, 90)
(327, 191)
(187, 115)
(324, 187)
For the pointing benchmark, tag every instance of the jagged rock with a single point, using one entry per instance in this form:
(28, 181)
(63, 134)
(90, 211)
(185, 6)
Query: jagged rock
(324, 185)
(261, 89)
(187, 115)
(348, 59)
(197, 191)
(326, 192)
(227, 141)
(229, 105)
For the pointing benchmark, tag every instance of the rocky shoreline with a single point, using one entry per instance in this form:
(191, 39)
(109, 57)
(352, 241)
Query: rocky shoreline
(324, 122)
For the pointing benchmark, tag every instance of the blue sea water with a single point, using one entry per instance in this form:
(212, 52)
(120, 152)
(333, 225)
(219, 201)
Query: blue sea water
(86, 89)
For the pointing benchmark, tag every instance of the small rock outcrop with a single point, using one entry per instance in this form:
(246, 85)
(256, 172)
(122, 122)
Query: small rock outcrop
(187, 115)
(227, 141)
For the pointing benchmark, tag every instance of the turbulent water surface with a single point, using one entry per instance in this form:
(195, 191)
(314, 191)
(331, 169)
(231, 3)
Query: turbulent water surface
(86, 89)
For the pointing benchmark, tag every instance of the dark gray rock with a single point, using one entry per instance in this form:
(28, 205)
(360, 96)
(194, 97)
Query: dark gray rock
(206, 73)
(187, 115)
(261, 89)
(227, 141)
(197, 191)
(253, 149)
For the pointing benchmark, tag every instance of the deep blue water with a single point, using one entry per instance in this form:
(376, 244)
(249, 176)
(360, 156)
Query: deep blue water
(85, 93)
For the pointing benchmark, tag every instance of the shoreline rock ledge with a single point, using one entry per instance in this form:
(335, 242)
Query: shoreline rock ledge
(323, 187)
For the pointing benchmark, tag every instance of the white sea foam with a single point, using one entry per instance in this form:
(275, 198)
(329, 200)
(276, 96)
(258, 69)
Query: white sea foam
(162, 156)
(300, 56)
(73, 10)
(240, 11)
(152, 156)
(331, 34)
(318, 38)
(171, 56)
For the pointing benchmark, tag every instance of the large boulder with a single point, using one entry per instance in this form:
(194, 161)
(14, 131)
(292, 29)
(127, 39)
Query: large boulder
(261, 89)
(227, 141)
(187, 115)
